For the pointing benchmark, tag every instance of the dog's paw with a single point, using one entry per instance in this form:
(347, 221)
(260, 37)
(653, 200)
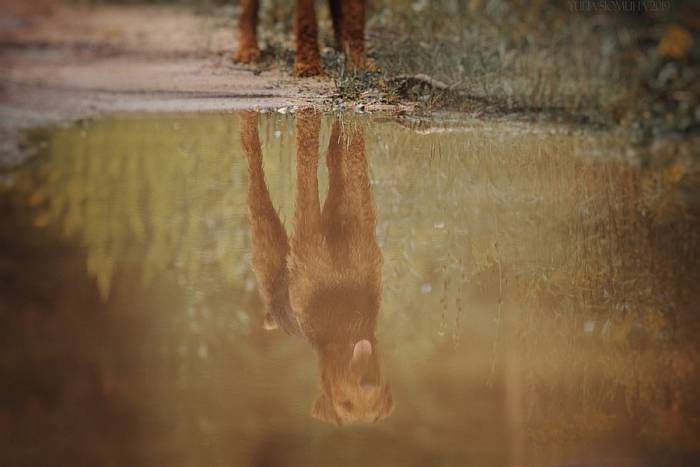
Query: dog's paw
(248, 54)
(270, 323)
(307, 69)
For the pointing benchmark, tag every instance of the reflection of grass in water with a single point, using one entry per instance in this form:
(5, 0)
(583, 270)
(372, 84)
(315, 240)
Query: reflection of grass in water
(557, 243)
(475, 224)
(159, 190)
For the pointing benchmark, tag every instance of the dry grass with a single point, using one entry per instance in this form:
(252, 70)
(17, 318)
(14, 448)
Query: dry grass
(541, 58)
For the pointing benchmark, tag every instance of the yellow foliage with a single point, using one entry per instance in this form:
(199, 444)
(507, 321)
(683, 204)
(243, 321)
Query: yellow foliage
(676, 43)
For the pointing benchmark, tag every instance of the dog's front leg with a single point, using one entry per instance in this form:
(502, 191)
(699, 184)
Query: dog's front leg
(353, 31)
(308, 60)
(248, 51)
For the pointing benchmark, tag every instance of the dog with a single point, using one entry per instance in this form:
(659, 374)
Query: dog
(348, 27)
(325, 284)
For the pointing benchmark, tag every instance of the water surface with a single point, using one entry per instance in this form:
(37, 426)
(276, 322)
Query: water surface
(538, 300)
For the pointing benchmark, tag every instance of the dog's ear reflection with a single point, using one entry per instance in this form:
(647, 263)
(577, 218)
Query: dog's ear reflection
(323, 410)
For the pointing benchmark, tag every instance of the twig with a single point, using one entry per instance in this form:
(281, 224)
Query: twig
(423, 79)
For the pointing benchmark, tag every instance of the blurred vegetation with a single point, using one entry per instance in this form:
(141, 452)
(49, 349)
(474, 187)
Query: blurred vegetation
(583, 61)
(539, 291)
(164, 165)
(546, 56)
(585, 265)
(544, 59)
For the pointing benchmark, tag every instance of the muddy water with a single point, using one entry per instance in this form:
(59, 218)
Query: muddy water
(537, 306)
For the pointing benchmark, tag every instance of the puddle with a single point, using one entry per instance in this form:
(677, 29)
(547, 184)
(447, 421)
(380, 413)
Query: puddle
(490, 295)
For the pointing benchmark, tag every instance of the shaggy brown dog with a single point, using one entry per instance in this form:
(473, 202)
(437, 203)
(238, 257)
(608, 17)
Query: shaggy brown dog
(348, 27)
(326, 287)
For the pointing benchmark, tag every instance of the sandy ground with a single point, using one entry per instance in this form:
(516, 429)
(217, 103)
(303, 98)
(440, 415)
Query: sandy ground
(60, 62)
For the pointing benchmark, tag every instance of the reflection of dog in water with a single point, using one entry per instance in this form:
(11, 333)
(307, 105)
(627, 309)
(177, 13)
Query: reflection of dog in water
(326, 285)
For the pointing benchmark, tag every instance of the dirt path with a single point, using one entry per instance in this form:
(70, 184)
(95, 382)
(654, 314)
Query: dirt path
(66, 62)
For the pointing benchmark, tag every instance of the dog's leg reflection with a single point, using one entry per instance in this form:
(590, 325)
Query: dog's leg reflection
(307, 210)
(270, 246)
(349, 219)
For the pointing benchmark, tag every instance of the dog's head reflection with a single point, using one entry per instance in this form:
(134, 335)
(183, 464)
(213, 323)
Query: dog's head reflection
(325, 283)
(352, 386)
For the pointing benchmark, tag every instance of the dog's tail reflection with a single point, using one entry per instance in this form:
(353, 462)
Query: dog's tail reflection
(326, 285)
